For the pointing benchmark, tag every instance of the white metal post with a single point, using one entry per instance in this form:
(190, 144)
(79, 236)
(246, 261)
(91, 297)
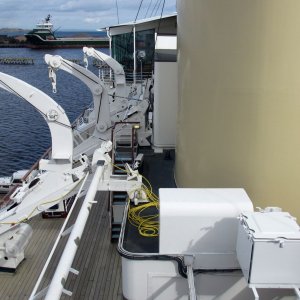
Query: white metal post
(134, 56)
(191, 283)
(110, 50)
(189, 260)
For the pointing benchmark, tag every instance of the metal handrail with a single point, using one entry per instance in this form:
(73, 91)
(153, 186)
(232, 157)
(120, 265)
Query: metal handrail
(56, 287)
(113, 140)
(61, 233)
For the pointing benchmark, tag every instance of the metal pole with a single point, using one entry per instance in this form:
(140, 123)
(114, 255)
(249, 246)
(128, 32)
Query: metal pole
(134, 56)
(191, 283)
(188, 260)
(110, 51)
(56, 287)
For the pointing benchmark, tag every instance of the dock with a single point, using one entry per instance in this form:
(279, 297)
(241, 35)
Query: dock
(16, 61)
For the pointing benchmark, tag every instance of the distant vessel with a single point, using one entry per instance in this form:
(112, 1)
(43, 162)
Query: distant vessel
(43, 36)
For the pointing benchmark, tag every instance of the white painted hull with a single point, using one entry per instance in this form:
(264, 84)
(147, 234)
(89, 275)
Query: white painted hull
(160, 280)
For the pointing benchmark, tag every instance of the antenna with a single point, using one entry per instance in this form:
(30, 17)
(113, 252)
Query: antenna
(117, 11)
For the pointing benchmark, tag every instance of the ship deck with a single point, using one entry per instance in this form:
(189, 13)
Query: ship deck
(97, 259)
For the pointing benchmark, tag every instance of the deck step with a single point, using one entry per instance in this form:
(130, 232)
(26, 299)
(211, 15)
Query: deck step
(123, 159)
(119, 199)
(119, 172)
(118, 202)
(124, 141)
(115, 231)
(119, 196)
(123, 153)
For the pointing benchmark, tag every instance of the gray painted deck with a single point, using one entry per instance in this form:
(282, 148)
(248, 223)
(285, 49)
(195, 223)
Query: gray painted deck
(97, 260)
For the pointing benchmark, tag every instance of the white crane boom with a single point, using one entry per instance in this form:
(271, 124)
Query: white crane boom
(56, 180)
(117, 68)
(98, 90)
(124, 96)
(54, 115)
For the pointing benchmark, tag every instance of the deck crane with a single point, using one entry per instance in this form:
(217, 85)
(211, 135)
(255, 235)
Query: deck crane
(88, 135)
(56, 177)
(119, 74)
(109, 108)
(134, 96)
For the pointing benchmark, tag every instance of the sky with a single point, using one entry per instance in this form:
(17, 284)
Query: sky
(78, 14)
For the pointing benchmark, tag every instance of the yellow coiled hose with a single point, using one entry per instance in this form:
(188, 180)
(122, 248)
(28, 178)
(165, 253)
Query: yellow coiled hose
(147, 224)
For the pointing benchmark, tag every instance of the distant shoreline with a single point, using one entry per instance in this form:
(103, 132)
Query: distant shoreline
(13, 30)
(13, 46)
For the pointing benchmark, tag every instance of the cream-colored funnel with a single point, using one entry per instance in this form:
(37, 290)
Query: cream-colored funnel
(239, 98)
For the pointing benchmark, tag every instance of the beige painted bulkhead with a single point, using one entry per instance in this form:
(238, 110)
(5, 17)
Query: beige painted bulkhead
(239, 98)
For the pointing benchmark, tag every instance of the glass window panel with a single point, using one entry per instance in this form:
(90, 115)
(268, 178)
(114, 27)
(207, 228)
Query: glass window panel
(122, 50)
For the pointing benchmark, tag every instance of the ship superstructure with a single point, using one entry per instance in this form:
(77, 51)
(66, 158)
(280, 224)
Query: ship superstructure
(184, 243)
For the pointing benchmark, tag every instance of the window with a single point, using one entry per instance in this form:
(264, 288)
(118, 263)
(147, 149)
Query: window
(122, 50)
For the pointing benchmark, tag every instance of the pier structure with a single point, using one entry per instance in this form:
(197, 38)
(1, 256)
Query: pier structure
(16, 61)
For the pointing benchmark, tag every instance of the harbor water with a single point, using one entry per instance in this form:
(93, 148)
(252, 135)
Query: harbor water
(24, 135)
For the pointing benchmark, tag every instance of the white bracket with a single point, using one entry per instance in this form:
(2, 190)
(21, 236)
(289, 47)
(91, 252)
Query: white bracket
(69, 293)
(296, 289)
(189, 261)
(72, 270)
(256, 296)
(41, 293)
(67, 231)
(93, 202)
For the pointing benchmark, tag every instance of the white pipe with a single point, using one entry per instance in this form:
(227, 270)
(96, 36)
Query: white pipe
(57, 241)
(110, 50)
(256, 296)
(134, 56)
(191, 283)
(296, 289)
(64, 266)
(109, 39)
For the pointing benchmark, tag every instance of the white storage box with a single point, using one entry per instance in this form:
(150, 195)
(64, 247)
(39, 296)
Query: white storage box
(268, 249)
(203, 223)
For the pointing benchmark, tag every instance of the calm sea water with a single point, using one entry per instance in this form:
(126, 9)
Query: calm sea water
(24, 135)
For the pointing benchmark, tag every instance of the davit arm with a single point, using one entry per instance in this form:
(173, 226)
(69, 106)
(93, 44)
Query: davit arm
(54, 115)
(117, 68)
(98, 90)
(119, 74)
(136, 109)
(57, 181)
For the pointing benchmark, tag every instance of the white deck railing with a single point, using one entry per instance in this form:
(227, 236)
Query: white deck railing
(56, 287)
